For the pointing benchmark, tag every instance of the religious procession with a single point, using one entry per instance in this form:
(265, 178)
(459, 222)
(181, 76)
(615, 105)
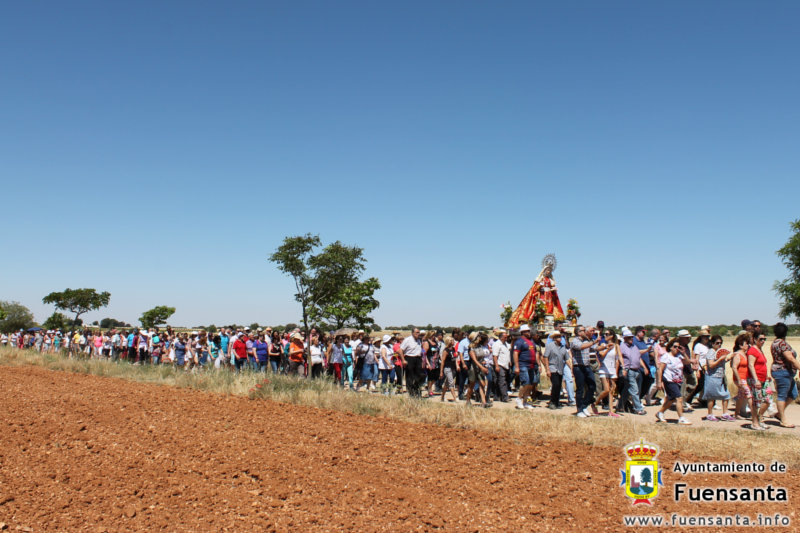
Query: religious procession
(541, 357)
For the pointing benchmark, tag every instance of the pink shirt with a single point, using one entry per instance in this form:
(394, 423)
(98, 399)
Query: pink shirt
(659, 351)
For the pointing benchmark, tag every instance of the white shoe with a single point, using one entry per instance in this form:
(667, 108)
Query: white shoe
(519, 404)
(586, 411)
(684, 421)
(582, 415)
(660, 416)
(528, 406)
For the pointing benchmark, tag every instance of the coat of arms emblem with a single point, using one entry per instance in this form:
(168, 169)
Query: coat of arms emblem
(641, 476)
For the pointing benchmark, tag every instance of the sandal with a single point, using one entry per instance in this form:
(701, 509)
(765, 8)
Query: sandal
(788, 426)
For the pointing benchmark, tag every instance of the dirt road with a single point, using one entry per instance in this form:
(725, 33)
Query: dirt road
(86, 453)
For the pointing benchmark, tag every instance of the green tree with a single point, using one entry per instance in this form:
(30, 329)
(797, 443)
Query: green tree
(56, 321)
(156, 316)
(108, 323)
(2, 314)
(292, 258)
(254, 326)
(327, 282)
(340, 299)
(78, 301)
(17, 316)
(789, 289)
(350, 307)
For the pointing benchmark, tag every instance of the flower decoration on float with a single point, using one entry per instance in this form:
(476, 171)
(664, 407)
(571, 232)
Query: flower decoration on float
(573, 309)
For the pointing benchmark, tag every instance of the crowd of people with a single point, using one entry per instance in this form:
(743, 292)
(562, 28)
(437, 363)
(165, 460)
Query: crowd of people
(596, 370)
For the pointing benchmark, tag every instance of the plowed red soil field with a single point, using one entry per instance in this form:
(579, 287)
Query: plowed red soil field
(86, 453)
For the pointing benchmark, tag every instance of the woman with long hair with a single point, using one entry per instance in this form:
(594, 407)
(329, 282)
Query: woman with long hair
(275, 351)
(430, 347)
(715, 387)
(668, 379)
(608, 357)
(478, 371)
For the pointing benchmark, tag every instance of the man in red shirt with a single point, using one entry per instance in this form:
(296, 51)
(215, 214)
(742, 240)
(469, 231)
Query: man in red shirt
(240, 351)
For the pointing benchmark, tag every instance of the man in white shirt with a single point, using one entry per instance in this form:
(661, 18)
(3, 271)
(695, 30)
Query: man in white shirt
(411, 356)
(501, 355)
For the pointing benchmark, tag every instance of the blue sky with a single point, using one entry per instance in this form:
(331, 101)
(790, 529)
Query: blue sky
(162, 151)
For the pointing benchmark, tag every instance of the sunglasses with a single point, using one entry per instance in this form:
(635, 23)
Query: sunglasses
(717, 342)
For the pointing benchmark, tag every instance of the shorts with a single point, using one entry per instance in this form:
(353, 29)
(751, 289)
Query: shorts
(449, 377)
(475, 374)
(784, 382)
(760, 394)
(744, 390)
(528, 376)
(672, 390)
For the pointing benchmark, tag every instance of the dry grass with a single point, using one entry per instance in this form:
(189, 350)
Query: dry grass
(520, 426)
